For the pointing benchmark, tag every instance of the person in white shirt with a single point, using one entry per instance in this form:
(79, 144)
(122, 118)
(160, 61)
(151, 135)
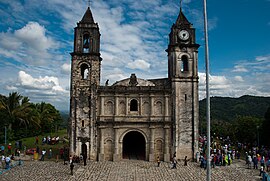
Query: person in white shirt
(43, 155)
(3, 160)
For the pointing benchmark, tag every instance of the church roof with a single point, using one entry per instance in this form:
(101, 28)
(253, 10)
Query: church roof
(87, 17)
(133, 81)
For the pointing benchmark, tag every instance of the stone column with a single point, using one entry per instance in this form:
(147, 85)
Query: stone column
(101, 146)
(166, 144)
(166, 105)
(116, 145)
(127, 105)
(140, 105)
(102, 105)
(152, 105)
(116, 106)
(152, 144)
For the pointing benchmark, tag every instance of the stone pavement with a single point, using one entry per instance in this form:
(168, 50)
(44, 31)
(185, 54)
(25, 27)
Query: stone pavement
(127, 170)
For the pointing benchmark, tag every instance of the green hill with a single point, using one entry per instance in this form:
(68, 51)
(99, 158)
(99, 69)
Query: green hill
(227, 108)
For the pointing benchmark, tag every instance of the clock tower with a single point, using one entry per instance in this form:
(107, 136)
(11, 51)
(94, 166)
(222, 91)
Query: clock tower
(183, 75)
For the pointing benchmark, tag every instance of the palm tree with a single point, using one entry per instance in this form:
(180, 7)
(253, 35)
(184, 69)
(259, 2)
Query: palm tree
(48, 115)
(18, 111)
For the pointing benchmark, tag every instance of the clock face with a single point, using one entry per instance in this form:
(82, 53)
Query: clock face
(183, 34)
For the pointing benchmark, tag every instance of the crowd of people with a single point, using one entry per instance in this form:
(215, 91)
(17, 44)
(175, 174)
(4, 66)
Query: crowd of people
(224, 152)
(48, 140)
(8, 157)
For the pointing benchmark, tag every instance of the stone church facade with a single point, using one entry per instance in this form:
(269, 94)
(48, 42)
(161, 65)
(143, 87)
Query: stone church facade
(134, 118)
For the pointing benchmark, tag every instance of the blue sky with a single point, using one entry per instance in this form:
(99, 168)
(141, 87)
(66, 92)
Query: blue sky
(36, 37)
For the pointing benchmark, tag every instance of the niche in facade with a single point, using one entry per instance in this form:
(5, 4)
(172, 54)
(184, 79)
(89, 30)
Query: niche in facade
(133, 105)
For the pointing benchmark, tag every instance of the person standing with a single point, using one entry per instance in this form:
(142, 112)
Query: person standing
(9, 148)
(174, 162)
(50, 153)
(3, 160)
(255, 162)
(262, 162)
(7, 162)
(185, 161)
(43, 152)
(158, 161)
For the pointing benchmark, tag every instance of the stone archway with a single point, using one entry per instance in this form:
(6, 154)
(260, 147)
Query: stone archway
(84, 149)
(134, 146)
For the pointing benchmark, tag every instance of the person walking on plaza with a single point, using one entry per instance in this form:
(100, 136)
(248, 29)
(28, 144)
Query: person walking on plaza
(3, 161)
(71, 168)
(7, 162)
(158, 161)
(174, 162)
(43, 155)
(249, 160)
(50, 153)
(9, 148)
(185, 161)
(255, 162)
(262, 162)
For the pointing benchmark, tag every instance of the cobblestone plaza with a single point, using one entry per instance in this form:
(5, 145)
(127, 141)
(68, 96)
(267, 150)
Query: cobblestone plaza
(127, 170)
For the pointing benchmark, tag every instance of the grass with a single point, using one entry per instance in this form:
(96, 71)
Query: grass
(30, 143)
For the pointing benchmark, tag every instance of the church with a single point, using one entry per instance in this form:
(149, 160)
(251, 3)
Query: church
(134, 118)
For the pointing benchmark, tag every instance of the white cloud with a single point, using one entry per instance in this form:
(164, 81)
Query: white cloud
(41, 83)
(238, 78)
(30, 44)
(66, 68)
(138, 64)
(11, 88)
(33, 35)
(239, 68)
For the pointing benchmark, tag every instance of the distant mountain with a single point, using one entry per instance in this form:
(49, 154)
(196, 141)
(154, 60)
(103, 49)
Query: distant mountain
(227, 108)
(65, 116)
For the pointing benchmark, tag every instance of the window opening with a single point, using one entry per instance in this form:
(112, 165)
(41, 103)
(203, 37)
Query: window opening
(133, 105)
(83, 123)
(84, 71)
(184, 63)
(86, 43)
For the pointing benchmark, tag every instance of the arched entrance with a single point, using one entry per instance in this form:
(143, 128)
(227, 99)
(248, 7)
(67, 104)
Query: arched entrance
(84, 149)
(134, 146)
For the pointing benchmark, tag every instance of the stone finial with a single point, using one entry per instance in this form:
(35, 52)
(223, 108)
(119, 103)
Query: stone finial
(133, 80)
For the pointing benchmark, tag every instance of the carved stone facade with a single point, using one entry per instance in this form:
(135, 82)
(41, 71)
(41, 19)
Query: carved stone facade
(134, 118)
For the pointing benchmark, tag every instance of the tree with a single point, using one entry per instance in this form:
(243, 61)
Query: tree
(246, 128)
(266, 127)
(17, 113)
(49, 117)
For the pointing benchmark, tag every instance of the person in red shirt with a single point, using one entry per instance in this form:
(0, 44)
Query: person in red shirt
(9, 148)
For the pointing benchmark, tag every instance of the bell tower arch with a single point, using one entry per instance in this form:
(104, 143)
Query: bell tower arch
(85, 78)
(183, 75)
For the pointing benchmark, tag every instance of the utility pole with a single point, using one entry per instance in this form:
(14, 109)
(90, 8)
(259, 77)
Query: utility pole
(207, 93)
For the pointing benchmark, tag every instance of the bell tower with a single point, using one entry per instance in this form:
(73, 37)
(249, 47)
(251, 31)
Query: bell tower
(183, 75)
(85, 78)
